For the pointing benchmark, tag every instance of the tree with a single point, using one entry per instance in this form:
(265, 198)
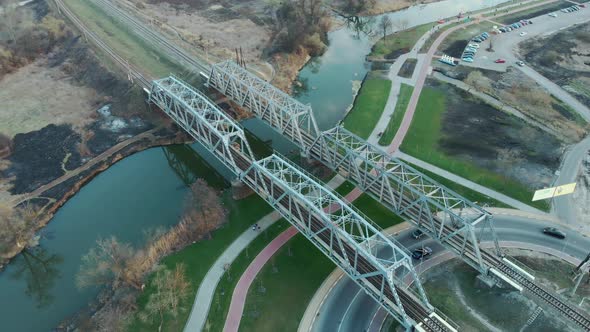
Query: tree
(203, 210)
(109, 263)
(385, 24)
(171, 288)
(17, 226)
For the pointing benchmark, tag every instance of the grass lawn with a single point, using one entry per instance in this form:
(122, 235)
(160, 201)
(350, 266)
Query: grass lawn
(199, 257)
(399, 43)
(435, 35)
(368, 107)
(279, 284)
(120, 38)
(533, 12)
(470, 194)
(403, 99)
(422, 143)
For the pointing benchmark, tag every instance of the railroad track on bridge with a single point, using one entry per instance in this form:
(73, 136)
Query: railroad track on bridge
(416, 311)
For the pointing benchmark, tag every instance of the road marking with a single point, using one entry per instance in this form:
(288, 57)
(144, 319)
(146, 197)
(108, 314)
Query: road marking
(347, 309)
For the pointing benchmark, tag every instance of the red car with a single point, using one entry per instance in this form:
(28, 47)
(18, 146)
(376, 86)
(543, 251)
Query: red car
(440, 21)
(500, 61)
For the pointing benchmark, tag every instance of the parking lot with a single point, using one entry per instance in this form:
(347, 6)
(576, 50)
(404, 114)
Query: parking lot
(504, 44)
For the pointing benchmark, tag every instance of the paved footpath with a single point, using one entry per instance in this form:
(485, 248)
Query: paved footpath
(425, 70)
(238, 300)
(466, 183)
(204, 297)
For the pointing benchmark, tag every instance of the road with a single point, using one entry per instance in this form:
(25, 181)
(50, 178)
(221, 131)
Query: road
(505, 47)
(348, 309)
(424, 71)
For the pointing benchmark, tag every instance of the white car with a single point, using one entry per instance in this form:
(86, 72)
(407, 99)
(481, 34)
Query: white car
(474, 45)
(522, 34)
(553, 15)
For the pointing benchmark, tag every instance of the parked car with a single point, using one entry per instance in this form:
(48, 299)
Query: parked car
(520, 63)
(523, 33)
(417, 234)
(473, 45)
(467, 59)
(582, 5)
(553, 15)
(500, 61)
(552, 231)
(471, 49)
(421, 253)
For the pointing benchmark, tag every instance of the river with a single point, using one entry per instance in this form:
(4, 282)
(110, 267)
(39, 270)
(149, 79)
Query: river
(144, 191)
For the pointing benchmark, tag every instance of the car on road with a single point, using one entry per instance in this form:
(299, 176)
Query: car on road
(553, 15)
(520, 63)
(500, 61)
(522, 34)
(420, 253)
(417, 234)
(552, 231)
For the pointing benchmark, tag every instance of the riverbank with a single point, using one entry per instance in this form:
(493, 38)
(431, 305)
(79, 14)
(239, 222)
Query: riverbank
(59, 191)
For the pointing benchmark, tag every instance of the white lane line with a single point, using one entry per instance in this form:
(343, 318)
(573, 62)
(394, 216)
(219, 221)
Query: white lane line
(347, 309)
(323, 300)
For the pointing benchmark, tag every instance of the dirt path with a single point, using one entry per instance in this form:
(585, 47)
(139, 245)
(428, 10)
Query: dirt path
(94, 161)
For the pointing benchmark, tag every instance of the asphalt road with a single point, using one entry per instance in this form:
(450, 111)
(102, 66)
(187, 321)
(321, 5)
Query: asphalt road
(505, 48)
(347, 308)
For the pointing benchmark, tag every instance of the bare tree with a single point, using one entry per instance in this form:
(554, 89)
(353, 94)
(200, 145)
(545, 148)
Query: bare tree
(171, 288)
(17, 226)
(203, 209)
(385, 24)
(109, 263)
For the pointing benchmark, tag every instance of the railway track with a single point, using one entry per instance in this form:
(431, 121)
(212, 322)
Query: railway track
(568, 310)
(416, 311)
(153, 37)
(133, 73)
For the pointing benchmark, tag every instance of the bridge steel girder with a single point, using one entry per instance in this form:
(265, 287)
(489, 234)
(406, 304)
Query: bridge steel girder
(285, 114)
(202, 119)
(438, 211)
(377, 263)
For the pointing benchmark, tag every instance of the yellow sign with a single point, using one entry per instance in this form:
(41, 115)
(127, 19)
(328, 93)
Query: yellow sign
(554, 191)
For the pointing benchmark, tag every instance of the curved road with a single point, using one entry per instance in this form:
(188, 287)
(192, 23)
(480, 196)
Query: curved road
(347, 308)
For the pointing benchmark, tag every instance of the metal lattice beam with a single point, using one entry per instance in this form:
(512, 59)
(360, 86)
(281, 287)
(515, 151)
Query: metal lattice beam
(285, 114)
(376, 262)
(438, 211)
(202, 119)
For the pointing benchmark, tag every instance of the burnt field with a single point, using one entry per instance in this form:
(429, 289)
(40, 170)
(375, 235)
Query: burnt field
(477, 133)
(564, 58)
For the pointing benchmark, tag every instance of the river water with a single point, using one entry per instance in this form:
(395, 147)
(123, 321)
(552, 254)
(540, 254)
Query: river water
(144, 191)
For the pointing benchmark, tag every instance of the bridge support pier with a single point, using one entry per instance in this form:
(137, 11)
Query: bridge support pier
(485, 281)
(239, 190)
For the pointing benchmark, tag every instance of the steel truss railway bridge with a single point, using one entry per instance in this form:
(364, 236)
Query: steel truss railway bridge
(380, 265)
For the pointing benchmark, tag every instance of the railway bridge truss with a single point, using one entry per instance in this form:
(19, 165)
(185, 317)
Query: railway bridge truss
(347, 237)
(380, 265)
(455, 222)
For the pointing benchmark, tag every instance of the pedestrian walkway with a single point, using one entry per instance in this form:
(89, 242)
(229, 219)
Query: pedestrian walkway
(238, 300)
(206, 290)
(466, 183)
(425, 69)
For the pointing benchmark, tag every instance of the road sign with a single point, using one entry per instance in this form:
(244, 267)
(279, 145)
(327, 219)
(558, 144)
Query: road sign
(554, 191)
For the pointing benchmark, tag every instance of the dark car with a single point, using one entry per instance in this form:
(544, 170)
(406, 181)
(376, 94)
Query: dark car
(417, 234)
(552, 231)
(421, 253)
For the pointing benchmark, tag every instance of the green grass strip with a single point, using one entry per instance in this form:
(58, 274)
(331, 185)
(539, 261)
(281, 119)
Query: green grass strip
(422, 143)
(368, 107)
(398, 114)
